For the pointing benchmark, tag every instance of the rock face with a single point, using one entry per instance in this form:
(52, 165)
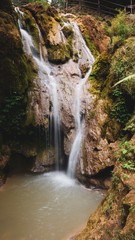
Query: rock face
(114, 132)
(114, 219)
(95, 29)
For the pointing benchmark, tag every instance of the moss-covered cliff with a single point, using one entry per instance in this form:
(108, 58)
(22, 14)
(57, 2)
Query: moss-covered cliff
(114, 219)
(15, 77)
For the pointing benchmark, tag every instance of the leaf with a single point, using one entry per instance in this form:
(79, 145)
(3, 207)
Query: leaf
(124, 79)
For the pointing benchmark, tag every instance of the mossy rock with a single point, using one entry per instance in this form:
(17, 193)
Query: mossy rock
(30, 25)
(58, 54)
(90, 44)
(68, 31)
(43, 15)
(101, 67)
(16, 73)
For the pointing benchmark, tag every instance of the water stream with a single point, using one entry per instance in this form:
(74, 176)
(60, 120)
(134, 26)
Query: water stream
(79, 121)
(45, 207)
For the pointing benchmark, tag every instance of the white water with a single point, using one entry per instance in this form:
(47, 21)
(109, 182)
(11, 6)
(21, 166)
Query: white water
(45, 75)
(79, 123)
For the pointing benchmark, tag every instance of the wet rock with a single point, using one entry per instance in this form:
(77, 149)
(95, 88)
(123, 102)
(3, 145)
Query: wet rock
(44, 161)
(97, 153)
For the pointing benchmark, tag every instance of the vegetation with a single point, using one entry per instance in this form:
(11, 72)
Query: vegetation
(13, 112)
(126, 156)
(122, 27)
(114, 70)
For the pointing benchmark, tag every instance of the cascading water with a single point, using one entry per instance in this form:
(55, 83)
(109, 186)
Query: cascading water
(79, 123)
(45, 75)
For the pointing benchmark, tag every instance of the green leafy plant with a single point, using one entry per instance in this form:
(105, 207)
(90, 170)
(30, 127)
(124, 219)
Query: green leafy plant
(126, 151)
(120, 109)
(130, 165)
(130, 77)
(126, 156)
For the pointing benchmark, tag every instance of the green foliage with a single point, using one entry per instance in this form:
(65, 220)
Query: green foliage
(120, 109)
(122, 27)
(126, 151)
(123, 61)
(129, 78)
(90, 44)
(12, 114)
(129, 166)
(126, 156)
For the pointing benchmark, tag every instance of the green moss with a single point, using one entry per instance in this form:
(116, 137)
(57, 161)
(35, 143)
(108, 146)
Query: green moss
(62, 52)
(31, 27)
(101, 67)
(90, 44)
(58, 53)
(107, 206)
(68, 31)
(99, 75)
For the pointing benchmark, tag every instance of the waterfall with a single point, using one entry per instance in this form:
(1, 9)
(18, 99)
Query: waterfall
(46, 77)
(79, 121)
(54, 78)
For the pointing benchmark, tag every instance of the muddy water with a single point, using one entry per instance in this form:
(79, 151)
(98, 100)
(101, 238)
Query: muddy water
(44, 207)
